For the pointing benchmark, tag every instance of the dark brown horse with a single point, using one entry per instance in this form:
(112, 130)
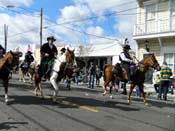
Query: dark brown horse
(7, 62)
(66, 71)
(138, 78)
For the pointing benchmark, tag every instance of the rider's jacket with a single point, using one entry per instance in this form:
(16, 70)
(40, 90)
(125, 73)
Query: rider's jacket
(49, 49)
(125, 57)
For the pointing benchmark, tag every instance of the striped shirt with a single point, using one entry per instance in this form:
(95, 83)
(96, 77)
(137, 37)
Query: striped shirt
(165, 73)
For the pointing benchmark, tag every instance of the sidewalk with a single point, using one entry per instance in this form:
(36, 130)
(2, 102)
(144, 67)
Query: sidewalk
(149, 90)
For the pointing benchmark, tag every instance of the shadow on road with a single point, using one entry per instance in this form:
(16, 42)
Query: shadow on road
(10, 125)
(156, 103)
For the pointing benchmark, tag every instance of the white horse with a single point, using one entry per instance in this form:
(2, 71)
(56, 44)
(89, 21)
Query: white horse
(62, 68)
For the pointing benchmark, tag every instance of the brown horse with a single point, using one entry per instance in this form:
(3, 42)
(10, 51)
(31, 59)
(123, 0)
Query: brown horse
(66, 71)
(138, 78)
(7, 62)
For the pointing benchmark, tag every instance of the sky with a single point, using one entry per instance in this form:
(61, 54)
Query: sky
(70, 21)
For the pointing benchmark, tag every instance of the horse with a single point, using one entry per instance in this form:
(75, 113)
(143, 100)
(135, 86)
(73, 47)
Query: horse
(30, 71)
(138, 77)
(66, 71)
(7, 62)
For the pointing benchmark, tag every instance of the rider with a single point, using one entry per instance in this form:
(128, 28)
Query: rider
(28, 57)
(27, 61)
(126, 59)
(48, 54)
(2, 51)
(63, 50)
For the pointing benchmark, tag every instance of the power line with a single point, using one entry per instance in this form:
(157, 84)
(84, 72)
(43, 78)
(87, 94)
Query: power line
(14, 11)
(27, 31)
(93, 17)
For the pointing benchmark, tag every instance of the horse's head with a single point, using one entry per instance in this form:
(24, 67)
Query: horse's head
(70, 57)
(13, 58)
(150, 61)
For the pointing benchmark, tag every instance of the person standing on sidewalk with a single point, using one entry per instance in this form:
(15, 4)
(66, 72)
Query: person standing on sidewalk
(165, 74)
(98, 75)
(156, 81)
(91, 73)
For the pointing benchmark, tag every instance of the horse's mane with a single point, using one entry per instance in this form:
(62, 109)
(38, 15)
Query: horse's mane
(70, 56)
(6, 59)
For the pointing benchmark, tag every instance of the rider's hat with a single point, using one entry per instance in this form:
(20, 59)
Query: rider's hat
(63, 49)
(51, 38)
(126, 46)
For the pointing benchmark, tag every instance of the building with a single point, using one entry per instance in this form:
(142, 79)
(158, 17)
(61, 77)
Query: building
(99, 54)
(156, 24)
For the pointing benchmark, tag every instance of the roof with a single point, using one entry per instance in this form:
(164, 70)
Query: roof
(94, 50)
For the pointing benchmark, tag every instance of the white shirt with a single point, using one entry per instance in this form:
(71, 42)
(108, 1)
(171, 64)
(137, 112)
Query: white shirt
(58, 61)
(123, 57)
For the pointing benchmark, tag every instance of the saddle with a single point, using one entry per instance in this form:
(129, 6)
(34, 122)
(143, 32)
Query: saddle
(117, 69)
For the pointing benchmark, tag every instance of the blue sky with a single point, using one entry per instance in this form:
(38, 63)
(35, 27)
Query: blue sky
(25, 28)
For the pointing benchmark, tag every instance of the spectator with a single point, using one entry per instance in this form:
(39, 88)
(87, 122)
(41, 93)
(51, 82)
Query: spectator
(165, 74)
(76, 74)
(98, 75)
(91, 73)
(156, 82)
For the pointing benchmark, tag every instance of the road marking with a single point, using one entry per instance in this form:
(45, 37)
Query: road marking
(67, 102)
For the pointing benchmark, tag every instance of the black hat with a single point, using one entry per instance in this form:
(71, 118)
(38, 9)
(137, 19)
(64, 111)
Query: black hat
(51, 38)
(63, 49)
(127, 47)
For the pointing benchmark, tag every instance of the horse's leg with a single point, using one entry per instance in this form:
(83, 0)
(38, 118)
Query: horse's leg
(143, 94)
(41, 91)
(20, 72)
(105, 89)
(130, 92)
(110, 91)
(23, 76)
(53, 80)
(5, 83)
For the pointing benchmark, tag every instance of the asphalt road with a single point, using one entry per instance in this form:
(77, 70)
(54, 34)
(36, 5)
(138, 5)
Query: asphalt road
(81, 111)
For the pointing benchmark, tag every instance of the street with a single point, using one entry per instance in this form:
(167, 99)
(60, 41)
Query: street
(80, 110)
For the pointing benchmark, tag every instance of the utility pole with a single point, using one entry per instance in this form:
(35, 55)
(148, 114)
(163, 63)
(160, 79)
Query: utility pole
(41, 27)
(5, 36)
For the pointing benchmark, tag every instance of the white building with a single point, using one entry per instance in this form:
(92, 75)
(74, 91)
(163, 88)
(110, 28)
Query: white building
(156, 24)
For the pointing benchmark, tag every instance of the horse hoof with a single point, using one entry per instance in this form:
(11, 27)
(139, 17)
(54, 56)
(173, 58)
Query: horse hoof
(54, 100)
(146, 104)
(111, 96)
(129, 102)
(7, 102)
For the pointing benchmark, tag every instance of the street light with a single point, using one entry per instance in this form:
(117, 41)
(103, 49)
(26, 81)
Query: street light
(146, 45)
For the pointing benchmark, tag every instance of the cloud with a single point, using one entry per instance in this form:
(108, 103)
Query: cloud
(22, 31)
(16, 2)
(95, 30)
(124, 22)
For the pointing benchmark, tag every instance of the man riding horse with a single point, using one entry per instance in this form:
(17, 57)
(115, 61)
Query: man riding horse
(126, 60)
(2, 51)
(48, 54)
(27, 61)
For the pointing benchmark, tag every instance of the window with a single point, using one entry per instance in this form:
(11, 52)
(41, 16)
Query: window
(169, 58)
(151, 18)
(173, 8)
(150, 12)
